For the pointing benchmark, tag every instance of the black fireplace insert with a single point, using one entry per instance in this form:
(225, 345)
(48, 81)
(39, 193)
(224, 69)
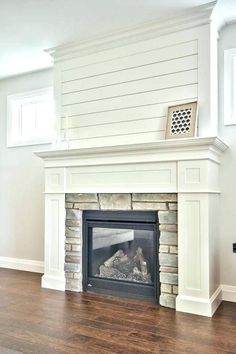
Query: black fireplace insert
(120, 253)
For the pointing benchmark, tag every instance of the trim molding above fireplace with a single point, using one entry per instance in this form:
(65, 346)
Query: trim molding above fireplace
(189, 167)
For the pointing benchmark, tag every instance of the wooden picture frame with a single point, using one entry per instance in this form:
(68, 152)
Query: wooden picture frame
(182, 121)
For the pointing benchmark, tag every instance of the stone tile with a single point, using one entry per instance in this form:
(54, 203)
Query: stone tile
(76, 248)
(72, 259)
(174, 249)
(166, 269)
(169, 278)
(77, 276)
(175, 290)
(73, 240)
(86, 206)
(167, 217)
(167, 259)
(115, 201)
(72, 267)
(72, 253)
(69, 275)
(168, 238)
(163, 249)
(69, 205)
(168, 300)
(68, 247)
(72, 214)
(73, 223)
(170, 228)
(166, 288)
(73, 285)
(149, 206)
(154, 197)
(81, 197)
(173, 206)
(72, 231)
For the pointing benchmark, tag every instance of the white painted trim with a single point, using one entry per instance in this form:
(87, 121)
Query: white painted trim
(53, 282)
(22, 264)
(14, 118)
(228, 293)
(161, 145)
(194, 17)
(229, 87)
(199, 306)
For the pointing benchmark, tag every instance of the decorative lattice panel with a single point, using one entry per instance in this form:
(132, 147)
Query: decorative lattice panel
(181, 121)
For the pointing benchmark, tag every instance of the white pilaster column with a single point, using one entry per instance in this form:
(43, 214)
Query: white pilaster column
(199, 286)
(54, 277)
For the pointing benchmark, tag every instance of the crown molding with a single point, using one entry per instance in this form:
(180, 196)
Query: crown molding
(187, 144)
(188, 19)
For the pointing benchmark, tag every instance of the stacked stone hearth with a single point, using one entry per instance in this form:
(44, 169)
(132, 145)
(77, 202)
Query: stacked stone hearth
(164, 204)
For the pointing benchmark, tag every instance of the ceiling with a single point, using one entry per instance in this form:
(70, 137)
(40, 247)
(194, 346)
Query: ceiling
(27, 30)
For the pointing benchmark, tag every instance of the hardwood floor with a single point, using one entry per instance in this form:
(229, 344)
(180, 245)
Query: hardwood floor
(35, 320)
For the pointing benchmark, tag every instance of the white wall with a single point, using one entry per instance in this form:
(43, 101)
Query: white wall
(21, 181)
(228, 172)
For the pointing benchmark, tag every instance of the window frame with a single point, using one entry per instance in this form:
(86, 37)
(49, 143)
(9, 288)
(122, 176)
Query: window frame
(230, 86)
(35, 95)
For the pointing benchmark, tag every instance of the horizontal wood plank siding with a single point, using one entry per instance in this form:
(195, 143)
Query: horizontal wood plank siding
(145, 85)
(123, 95)
(124, 63)
(133, 74)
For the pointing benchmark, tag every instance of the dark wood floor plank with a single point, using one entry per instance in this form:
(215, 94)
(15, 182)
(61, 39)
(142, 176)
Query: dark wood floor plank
(36, 320)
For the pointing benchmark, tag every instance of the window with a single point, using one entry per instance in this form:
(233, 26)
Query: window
(230, 86)
(30, 117)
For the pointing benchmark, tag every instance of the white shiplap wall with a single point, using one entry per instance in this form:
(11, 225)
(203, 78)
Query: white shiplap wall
(121, 95)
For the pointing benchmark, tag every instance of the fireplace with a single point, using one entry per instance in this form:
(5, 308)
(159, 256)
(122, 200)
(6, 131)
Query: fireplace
(124, 227)
(140, 177)
(120, 253)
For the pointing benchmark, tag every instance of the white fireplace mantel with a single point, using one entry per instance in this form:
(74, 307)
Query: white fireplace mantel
(189, 167)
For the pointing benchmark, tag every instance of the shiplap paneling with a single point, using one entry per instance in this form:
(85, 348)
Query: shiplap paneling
(139, 59)
(124, 115)
(139, 99)
(133, 74)
(116, 139)
(137, 126)
(125, 99)
(145, 85)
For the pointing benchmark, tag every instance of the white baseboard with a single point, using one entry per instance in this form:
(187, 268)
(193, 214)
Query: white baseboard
(53, 282)
(228, 293)
(199, 306)
(22, 264)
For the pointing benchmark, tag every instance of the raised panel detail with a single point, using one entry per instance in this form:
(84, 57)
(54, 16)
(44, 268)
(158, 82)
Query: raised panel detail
(54, 235)
(193, 245)
(54, 180)
(193, 233)
(198, 176)
(192, 175)
(144, 177)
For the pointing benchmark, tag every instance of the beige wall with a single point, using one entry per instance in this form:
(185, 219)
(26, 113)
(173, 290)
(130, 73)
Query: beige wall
(228, 172)
(21, 181)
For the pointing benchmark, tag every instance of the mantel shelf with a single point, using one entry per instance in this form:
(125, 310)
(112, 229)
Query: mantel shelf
(162, 146)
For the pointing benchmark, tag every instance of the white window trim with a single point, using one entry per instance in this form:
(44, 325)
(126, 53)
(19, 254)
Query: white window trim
(230, 86)
(12, 142)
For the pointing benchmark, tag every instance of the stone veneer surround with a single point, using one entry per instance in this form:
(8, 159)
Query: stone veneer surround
(164, 204)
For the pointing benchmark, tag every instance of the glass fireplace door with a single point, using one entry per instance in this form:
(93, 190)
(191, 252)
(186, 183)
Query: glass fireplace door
(121, 256)
(122, 253)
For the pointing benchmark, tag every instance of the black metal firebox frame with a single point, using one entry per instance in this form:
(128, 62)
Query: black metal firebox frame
(144, 220)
